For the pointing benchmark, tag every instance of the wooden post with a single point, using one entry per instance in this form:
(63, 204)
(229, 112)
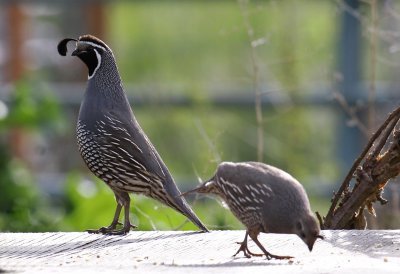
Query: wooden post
(16, 67)
(96, 19)
(15, 41)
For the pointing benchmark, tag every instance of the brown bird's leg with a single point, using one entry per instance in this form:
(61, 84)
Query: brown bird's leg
(125, 200)
(243, 247)
(253, 236)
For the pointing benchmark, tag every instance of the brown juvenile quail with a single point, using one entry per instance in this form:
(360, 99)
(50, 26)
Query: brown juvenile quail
(265, 199)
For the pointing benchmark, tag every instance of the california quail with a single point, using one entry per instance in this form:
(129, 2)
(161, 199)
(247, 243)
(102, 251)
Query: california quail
(265, 199)
(111, 142)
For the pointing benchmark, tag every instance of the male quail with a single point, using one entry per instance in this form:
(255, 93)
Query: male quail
(265, 199)
(111, 142)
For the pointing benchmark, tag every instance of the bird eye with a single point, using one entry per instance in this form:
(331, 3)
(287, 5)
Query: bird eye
(302, 235)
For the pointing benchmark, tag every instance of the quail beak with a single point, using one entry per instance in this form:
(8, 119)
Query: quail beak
(80, 49)
(203, 188)
(77, 52)
(190, 191)
(311, 243)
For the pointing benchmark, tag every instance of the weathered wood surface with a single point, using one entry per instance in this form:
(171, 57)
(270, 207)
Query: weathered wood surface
(372, 251)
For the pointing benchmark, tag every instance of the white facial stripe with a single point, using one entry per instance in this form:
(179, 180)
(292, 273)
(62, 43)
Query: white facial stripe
(93, 45)
(98, 63)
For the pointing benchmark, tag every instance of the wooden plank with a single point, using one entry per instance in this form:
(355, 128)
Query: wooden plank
(192, 252)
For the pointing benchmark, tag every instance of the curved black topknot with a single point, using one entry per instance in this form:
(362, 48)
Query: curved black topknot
(62, 46)
(93, 39)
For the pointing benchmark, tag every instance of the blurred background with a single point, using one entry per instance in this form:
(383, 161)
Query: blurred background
(300, 85)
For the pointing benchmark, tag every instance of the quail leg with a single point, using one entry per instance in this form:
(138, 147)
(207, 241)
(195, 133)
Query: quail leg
(111, 229)
(243, 247)
(112, 226)
(127, 224)
(269, 256)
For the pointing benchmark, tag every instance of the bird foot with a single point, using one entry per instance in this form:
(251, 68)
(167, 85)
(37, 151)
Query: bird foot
(247, 253)
(272, 256)
(110, 230)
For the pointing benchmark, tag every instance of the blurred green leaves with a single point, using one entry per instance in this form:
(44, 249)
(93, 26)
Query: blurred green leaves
(200, 47)
(22, 206)
(30, 108)
(91, 204)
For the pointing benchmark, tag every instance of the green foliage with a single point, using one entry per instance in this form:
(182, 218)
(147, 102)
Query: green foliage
(201, 48)
(22, 207)
(30, 110)
(91, 204)
(200, 45)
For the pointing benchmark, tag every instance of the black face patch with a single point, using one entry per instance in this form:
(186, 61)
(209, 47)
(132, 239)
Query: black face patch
(90, 59)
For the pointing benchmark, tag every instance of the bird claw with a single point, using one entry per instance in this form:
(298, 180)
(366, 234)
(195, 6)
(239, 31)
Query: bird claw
(272, 256)
(110, 230)
(123, 231)
(247, 253)
(101, 230)
(118, 232)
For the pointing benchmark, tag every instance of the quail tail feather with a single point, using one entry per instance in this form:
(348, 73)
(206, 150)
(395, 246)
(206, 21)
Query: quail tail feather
(180, 204)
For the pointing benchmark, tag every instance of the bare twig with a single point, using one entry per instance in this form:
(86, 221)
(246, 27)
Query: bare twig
(256, 74)
(371, 178)
(364, 191)
(350, 112)
(141, 212)
(378, 148)
(210, 144)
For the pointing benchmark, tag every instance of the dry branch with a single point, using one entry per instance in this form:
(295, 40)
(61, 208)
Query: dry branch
(372, 172)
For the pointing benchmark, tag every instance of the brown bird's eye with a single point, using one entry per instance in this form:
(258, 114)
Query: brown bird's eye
(302, 235)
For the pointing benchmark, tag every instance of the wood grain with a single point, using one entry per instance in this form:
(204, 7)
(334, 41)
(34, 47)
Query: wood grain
(370, 251)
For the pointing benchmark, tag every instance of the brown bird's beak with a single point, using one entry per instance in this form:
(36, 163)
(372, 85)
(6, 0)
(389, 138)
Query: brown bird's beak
(311, 243)
(202, 188)
(191, 191)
